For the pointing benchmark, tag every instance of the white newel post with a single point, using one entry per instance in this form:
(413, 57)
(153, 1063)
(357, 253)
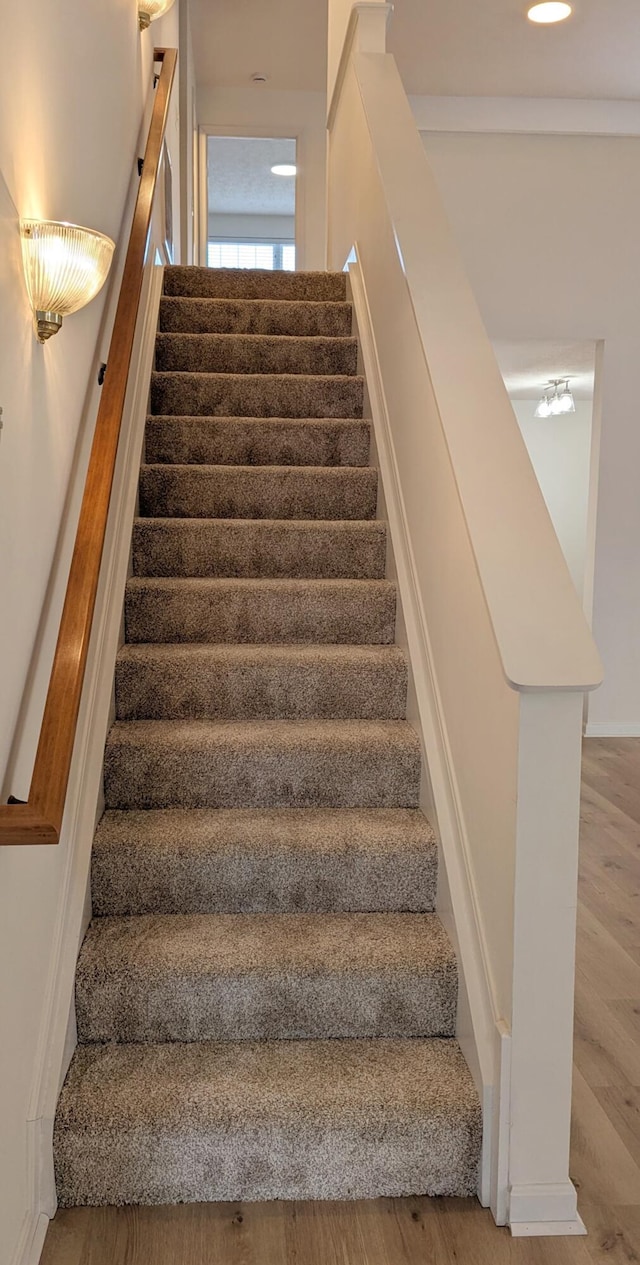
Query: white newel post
(545, 900)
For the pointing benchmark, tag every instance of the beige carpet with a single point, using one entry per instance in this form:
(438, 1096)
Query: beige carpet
(265, 997)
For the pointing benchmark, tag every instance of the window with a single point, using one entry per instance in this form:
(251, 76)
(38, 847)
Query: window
(275, 256)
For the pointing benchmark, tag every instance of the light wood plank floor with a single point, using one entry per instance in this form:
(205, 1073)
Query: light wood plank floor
(606, 1135)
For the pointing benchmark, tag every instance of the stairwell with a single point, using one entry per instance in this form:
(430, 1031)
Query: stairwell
(265, 998)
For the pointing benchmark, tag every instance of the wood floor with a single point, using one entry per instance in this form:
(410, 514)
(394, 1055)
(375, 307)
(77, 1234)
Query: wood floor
(606, 1132)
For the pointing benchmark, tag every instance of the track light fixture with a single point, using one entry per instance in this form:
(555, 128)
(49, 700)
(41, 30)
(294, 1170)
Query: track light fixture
(557, 399)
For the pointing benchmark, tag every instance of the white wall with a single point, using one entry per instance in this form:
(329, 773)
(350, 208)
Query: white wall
(71, 108)
(548, 226)
(255, 111)
(253, 227)
(560, 452)
(188, 136)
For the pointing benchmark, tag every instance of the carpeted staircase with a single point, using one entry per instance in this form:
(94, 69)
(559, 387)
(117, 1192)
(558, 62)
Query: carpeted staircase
(265, 999)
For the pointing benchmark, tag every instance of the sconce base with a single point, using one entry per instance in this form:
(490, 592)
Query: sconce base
(144, 19)
(47, 324)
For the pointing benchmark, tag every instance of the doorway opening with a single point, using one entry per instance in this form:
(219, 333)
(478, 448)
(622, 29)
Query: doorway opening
(251, 196)
(563, 448)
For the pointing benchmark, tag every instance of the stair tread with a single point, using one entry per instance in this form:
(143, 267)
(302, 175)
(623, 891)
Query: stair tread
(310, 829)
(288, 732)
(407, 1109)
(252, 681)
(235, 420)
(273, 316)
(226, 976)
(262, 764)
(251, 548)
(230, 943)
(248, 653)
(273, 492)
(257, 394)
(285, 585)
(262, 609)
(258, 441)
(253, 283)
(227, 339)
(252, 860)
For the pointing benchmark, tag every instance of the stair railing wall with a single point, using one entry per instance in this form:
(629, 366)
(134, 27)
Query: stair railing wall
(40, 819)
(500, 650)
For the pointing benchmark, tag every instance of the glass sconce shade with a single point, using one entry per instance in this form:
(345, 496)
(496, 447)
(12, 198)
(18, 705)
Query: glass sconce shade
(65, 266)
(149, 10)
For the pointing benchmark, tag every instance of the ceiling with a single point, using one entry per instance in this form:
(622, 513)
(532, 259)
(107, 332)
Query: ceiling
(240, 179)
(527, 366)
(443, 47)
(488, 48)
(285, 39)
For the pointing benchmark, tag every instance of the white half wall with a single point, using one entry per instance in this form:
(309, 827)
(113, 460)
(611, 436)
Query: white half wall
(261, 111)
(548, 227)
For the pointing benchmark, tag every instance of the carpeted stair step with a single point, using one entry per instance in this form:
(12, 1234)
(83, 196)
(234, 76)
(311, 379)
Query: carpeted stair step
(257, 441)
(244, 283)
(255, 316)
(313, 492)
(180, 1123)
(256, 395)
(347, 612)
(253, 861)
(252, 548)
(176, 682)
(262, 764)
(255, 353)
(265, 977)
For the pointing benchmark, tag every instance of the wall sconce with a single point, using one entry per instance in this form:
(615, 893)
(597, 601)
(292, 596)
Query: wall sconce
(149, 10)
(65, 266)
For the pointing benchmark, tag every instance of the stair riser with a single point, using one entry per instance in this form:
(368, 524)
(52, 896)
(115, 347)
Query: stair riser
(268, 880)
(228, 316)
(257, 1121)
(231, 614)
(264, 492)
(259, 549)
(242, 689)
(237, 1164)
(256, 442)
(238, 353)
(254, 774)
(258, 395)
(260, 1006)
(230, 283)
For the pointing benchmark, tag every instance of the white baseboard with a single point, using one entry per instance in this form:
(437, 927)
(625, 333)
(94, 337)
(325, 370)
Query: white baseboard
(548, 1229)
(545, 1209)
(31, 1239)
(612, 729)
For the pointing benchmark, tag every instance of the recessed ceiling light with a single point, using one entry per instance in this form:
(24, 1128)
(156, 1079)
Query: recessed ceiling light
(550, 11)
(283, 169)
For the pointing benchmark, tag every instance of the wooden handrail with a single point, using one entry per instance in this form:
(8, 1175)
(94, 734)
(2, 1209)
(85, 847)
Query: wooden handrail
(40, 819)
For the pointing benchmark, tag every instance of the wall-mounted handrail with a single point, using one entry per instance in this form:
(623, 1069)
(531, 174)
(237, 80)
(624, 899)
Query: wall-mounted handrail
(40, 819)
